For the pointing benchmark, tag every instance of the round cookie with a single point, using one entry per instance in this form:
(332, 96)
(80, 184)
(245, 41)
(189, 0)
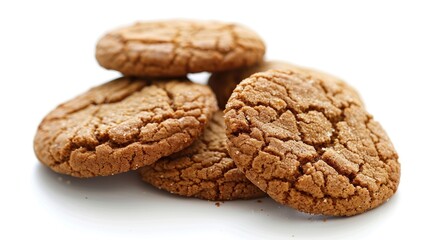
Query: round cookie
(203, 170)
(123, 125)
(306, 143)
(179, 47)
(224, 83)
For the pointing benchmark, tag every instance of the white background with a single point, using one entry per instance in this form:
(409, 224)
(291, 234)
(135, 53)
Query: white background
(47, 56)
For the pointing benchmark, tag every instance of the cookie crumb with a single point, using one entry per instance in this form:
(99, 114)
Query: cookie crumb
(259, 201)
(217, 204)
(325, 219)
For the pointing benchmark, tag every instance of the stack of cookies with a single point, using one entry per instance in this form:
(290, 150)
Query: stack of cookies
(301, 136)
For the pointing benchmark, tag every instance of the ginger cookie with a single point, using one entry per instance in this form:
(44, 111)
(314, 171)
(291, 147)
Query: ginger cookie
(308, 144)
(224, 83)
(179, 47)
(123, 125)
(203, 170)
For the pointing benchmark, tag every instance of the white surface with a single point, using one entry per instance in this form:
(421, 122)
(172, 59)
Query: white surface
(47, 57)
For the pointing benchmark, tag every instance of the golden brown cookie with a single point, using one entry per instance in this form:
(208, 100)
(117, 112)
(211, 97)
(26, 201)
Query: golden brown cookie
(179, 47)
(223, 83)
(123, 125)
(203, 170)
(306, 143)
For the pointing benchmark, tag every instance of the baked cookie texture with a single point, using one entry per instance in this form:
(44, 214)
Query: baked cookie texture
(224, 83)
(123, 125)
(179, 47)
(203, 170)
(308, 144)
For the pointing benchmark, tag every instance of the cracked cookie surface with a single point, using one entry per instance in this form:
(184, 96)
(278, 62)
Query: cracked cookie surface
(203, 170)
(307, 144)
(178, 47)
(123, 125)
(224, 83)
